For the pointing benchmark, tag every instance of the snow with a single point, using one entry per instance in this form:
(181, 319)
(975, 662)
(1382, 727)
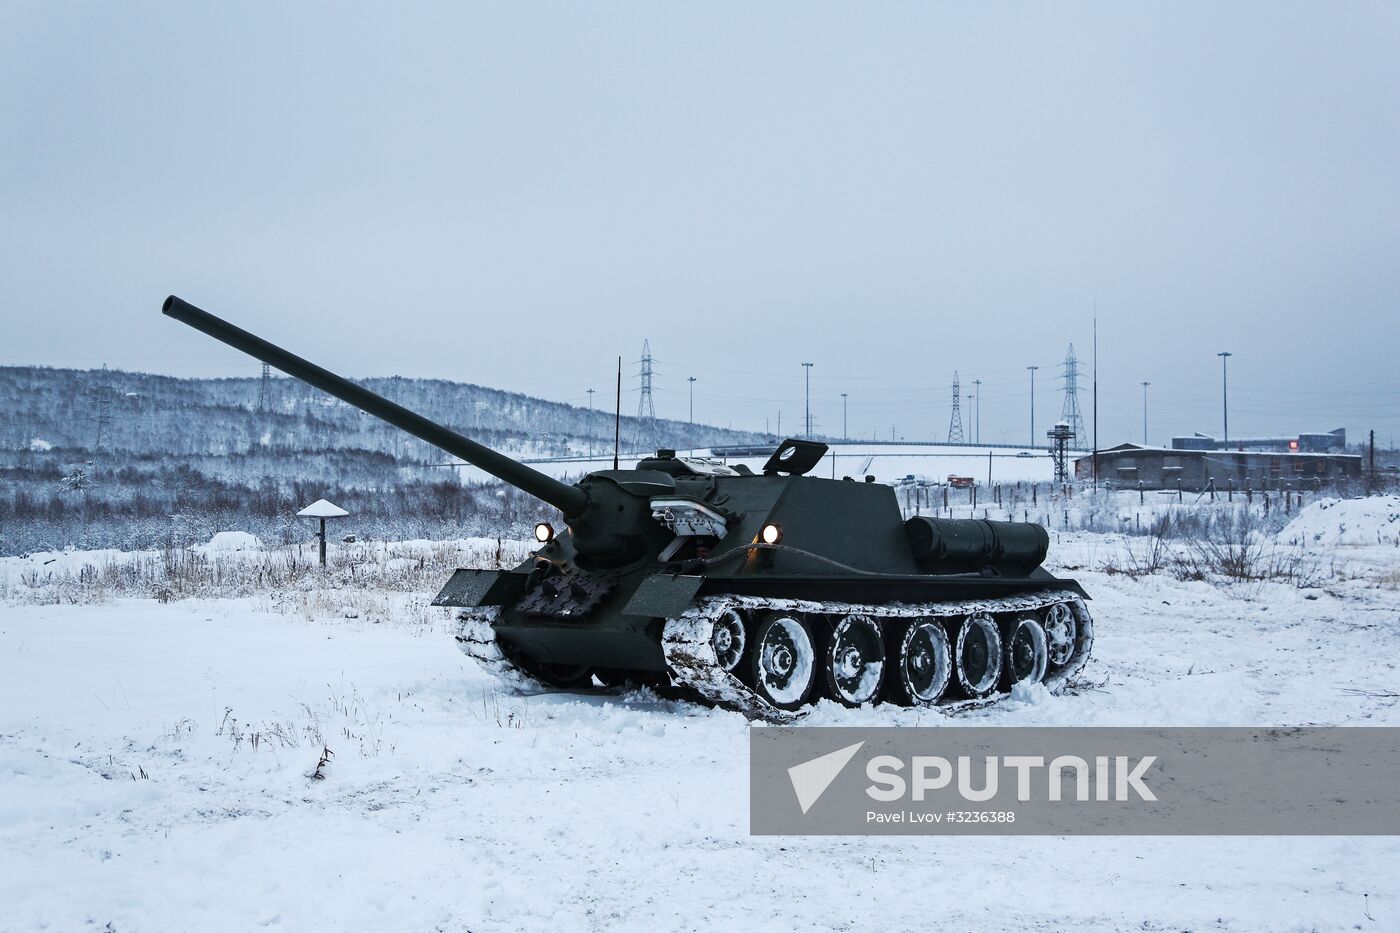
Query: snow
(323, 509)
(229, 541)
(452, 804)
(40, 445)
(1372, 520)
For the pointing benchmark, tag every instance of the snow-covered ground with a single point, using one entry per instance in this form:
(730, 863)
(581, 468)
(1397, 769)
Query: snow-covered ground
(156, 762)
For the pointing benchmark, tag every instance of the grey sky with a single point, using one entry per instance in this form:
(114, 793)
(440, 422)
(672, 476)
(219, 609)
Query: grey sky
(516, 195)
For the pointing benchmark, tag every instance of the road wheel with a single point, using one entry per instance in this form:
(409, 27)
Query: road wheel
(1024, 655)
(923, 664)
(729, 638)
(1060, 632)
(784, 661)
(853, 671)
(977, 656)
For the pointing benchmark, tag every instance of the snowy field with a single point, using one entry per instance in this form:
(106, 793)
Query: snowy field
(157, 762)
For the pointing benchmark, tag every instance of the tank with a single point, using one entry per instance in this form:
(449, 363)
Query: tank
(755, 591)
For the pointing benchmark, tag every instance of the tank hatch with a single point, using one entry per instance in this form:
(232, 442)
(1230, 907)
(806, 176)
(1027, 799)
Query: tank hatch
(795, 457)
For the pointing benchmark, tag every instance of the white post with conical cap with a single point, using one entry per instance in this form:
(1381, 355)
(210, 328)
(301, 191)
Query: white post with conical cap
(322, 510)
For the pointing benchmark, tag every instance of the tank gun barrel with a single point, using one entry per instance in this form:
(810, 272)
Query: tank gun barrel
(568, 499)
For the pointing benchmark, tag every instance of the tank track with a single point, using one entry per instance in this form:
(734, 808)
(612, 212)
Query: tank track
(477, 639)
(685, 641)
(691, 658)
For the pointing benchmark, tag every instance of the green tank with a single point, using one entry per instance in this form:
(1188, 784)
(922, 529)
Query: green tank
(756, 591)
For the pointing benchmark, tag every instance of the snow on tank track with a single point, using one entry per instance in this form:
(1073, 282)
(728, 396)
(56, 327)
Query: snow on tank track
(477, 639)
(691, 657)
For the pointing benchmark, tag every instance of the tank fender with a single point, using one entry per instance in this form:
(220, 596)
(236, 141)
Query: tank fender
(663, 595)
(471, 588)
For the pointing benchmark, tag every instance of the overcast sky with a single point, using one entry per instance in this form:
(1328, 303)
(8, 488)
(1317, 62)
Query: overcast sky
(516, 195)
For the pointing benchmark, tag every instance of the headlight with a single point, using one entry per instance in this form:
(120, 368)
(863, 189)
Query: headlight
(772, 533)
(544, 532)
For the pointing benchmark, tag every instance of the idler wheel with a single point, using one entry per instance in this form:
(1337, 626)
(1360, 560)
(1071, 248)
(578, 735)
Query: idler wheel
(1060, 632)
(923, 663)
(729, 639)
(977, 656)
(854, 663)
(1024, 655)
(784, 661)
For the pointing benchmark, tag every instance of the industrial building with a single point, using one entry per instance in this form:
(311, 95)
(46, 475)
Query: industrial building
(1195, 470)
(1304, 443)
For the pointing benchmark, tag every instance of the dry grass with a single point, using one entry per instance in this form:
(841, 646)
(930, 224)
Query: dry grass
(361, 580)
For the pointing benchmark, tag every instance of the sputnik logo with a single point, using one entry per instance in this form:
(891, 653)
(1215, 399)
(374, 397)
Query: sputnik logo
(811, 778)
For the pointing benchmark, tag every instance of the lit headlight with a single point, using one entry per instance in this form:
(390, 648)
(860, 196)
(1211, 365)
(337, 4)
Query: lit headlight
(544, 532)
(772, 533)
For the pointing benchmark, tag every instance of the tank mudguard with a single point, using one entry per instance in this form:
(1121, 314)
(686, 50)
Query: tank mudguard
(663, 595)
(468, 589)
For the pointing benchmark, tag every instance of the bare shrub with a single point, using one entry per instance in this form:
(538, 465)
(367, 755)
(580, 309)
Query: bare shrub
(1154, 557)
(1238, 549)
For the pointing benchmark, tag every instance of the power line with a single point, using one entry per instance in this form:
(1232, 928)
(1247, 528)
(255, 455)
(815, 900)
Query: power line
(1069, 414)
(100, 391)
(265, 390)
(955, 428)
(646, 405)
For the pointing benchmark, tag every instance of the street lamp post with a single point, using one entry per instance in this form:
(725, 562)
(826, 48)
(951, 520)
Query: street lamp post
(691, 380)
(808, 403)
(1032, 369)
(977, 412)
(1144, 412)
(590, 418)
(1225, 391)
(844, 434)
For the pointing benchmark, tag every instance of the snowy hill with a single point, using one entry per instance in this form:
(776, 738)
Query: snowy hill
(41, 408)
(182, 458)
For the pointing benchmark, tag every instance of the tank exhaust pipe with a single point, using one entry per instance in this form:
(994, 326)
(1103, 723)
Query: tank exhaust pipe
(570, 500)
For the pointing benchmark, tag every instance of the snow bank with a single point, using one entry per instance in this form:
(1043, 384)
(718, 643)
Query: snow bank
(230, 541)
(1372, 520)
